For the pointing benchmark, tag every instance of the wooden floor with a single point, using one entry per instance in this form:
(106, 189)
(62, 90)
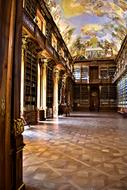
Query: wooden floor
(86, 151)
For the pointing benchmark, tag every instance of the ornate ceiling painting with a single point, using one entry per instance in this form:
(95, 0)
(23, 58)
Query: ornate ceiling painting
(92, 28)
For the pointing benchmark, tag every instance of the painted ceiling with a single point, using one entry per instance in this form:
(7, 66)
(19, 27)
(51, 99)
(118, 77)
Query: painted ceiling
(92, 28)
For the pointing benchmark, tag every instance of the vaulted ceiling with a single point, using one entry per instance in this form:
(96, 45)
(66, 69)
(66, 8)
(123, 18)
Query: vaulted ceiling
(93, 28)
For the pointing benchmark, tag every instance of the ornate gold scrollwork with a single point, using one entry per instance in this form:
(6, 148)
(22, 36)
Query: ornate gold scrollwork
(18, 126)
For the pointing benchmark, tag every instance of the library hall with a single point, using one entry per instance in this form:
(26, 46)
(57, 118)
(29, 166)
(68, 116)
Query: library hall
(63, 94)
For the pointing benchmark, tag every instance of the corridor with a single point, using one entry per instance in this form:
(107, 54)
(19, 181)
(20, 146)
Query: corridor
(86, 151)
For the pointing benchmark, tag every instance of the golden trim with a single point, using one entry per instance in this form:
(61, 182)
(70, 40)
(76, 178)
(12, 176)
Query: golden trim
(18, 126)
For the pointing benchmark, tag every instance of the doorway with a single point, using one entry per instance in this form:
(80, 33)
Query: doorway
(94, 98)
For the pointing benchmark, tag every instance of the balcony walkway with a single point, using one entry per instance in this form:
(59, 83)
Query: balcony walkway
(86, 151)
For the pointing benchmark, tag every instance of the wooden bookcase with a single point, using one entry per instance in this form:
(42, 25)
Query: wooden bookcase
(103, 72)
(49, 97)
(108, 97)
(31, 7)
(122, 92)
(81, 97)
(30, 86)
(104, 93)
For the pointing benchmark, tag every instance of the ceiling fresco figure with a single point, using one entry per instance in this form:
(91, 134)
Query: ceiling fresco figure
(94, 24)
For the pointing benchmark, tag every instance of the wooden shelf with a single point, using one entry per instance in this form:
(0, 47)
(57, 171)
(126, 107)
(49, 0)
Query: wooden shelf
(49, 86)
(30, 76)
(30, 7)
(81, 93)
(122, 91)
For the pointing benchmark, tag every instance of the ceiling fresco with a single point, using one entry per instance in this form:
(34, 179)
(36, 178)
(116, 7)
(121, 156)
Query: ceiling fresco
(91, 28)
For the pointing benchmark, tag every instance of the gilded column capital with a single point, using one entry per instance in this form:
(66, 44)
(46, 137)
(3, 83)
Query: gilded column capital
(45, 63)
(42, 61)
(24, 41)
(56, 73)
(18, 126)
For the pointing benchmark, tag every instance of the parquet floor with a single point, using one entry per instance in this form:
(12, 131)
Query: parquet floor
(86, 151)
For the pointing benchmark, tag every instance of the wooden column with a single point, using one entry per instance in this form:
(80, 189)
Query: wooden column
(10, 59)
(17, 138)
(6, 23)
(44, 86)
(55, 92)
(39, 87)
(24, 43)
(63, 88)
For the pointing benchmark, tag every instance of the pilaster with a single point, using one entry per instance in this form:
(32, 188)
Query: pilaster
(43, 85)
(24, 43)
(64, 78)
(55, 93)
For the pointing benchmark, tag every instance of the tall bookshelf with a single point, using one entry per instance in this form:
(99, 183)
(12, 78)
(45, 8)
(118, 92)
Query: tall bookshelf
(77, 93)
(84, 94)
(107, 72)
(108, 97)
(30, 7)
(85, 73)
(77, 73)
(122, 92)
(30, 86)
(81, 96)
(103, 72)
(49, 97)
(108, 92)
(104, 93)
(111, 71)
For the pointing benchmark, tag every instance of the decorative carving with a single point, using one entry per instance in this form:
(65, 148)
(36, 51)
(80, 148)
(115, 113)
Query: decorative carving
(18, 126)
(24, 41)
(2, 106)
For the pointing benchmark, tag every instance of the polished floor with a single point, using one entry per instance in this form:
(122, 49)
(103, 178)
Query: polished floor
(86, 151)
